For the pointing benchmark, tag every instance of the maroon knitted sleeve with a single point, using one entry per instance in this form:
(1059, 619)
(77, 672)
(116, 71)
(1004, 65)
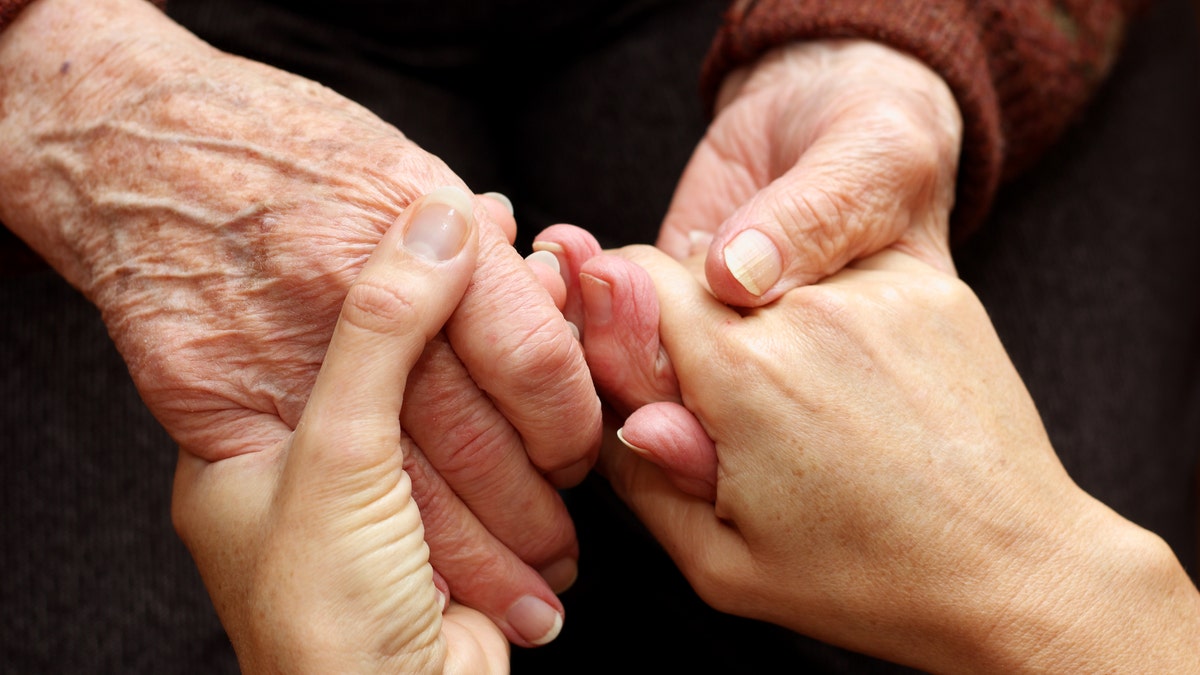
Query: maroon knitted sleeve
(10, 8)
(1021, 70)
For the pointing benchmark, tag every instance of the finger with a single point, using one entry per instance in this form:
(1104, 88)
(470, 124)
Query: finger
(399, 301)
(499, 210)
(481, 457)
(481, 571)
(474, 644)
(620, 335)
(690, 319)
(515, 343)
(704, 548)
(670, 436)
(843, 199)
(573, 246)
(544, 265)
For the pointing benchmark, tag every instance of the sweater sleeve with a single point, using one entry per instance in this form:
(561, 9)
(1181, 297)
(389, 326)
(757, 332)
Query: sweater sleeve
(1021, 70)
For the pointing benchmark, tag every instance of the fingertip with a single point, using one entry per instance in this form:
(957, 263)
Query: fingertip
(670, 436)
(744, 268)
(437, 226)
(546, 268)
(570, 476)
(536, 621)
(499, 209)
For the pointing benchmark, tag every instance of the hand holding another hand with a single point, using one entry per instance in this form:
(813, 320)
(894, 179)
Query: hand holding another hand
(880, 478)
(313, 550)
(820, 153)
(217, 210)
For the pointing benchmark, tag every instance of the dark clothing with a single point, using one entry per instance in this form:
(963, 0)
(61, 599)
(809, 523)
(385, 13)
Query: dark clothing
(586, 113)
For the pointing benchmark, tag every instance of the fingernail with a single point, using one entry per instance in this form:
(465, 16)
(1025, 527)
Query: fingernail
(534, 620)
(574, 330)
(597, 299)
(500, 198)
(439, 228)
(698, 241)
(754, 261)
(442, 589)
(640, 452)
(560, 575)
(546, 258)
(551, 246)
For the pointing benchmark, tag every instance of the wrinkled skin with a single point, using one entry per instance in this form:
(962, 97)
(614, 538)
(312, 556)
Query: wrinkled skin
(217, 210)
(313, 550)
(831, 150)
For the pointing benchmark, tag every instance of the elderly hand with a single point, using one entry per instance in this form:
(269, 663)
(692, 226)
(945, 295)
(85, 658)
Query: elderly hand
(882, 480)
(313, 549)
(217, 210)
(821, 153)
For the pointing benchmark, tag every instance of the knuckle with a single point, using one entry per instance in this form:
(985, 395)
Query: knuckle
(541, 359)
(378, 307)
(716, 580)
(945, 294)
(918, 149)
(819, 224)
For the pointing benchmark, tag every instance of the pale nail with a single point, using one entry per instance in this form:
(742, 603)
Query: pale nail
(546, 258)
(500, 198)
(551, 246)
(534, 620)
(560, 575)
(574, 330)
(698, 241)
(438, 229)
(597, 299)
(754, 261)
(641, 452)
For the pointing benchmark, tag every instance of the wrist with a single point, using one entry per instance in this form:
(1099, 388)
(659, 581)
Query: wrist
(1095, 594)
(65, 65)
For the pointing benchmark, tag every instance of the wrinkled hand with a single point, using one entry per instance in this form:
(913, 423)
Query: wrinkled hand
(882, 480)
(313, 549)
(217, 210)
(821, 153)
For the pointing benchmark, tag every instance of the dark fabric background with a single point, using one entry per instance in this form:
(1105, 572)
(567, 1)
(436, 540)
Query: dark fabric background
(586, 112)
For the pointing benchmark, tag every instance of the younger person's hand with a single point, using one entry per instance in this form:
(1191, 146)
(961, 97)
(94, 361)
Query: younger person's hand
(314, 551)
(880, 478)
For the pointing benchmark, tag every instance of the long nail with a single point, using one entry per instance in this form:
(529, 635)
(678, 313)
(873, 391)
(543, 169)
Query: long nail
(754, 261)
(438, 230)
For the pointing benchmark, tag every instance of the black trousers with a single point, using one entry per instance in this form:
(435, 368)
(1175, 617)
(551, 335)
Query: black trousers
(586, 113)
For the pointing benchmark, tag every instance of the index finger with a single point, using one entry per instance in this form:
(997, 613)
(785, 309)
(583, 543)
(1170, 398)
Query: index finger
(520, 350)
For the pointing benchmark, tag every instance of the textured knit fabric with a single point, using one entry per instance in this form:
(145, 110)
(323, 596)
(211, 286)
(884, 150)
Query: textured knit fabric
(1021, 70)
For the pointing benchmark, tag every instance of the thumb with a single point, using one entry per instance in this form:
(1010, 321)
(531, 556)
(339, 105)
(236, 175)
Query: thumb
(838, 203)
(406, 291)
